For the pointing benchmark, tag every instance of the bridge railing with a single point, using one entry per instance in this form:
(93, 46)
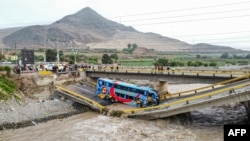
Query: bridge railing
(190, 99)
(92, 102)
(194, 91)
(227, 73)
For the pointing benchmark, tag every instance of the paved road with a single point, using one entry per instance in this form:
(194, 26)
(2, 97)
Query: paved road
(89, 92)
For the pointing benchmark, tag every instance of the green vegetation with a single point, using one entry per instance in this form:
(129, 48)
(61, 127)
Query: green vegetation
(7, 86)
(127, 58)
(192, 60)
(106, 59)
(130, 49)
(7, 69)
(51, 55)
(137, 62)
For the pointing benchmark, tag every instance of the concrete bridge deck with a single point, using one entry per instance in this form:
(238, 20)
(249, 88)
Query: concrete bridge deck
(226, 95)
(178, 76)
(237, 91)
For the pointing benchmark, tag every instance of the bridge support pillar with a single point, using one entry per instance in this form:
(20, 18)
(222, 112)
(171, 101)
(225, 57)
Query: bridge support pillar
(161, 87)
(91, 80)
(83, 75)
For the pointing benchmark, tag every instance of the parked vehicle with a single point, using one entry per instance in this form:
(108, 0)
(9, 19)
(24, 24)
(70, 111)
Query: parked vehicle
(49, 67)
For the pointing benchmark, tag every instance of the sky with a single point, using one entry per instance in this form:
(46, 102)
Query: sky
(217, 22)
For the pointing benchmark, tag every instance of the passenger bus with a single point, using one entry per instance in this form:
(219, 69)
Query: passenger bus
(118, 91)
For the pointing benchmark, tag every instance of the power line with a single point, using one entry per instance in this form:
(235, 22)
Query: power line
(214, 34)
(174, 44)
(222, 40)
(234, 39)
(188, 15)
(194, 8)
(204, 19)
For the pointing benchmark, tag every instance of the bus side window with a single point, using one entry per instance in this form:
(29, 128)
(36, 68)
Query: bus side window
(132, 90)
(110, 85)
(142, 92)
(118, 94)
(137, 91)
(124, 88)
(100, 82)
(116, 86)
(129, 97)
(122, 95)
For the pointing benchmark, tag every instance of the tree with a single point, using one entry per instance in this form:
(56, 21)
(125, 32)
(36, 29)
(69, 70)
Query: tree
(2, 57)
(225, 55)
(60, 55)
(198, 56)
(162, 62)
(51, 55)
(39, 58)
(190, 63)
(130, 48)
(198, 63)
(213, 64)
(248, 56)
(134, 46)
(114, 57)
(106, 59)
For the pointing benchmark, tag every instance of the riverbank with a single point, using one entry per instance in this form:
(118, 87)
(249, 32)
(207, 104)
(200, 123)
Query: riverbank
(37, 102)
(31, 111)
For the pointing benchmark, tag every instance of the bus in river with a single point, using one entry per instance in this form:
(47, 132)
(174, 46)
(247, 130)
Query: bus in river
(130, 94)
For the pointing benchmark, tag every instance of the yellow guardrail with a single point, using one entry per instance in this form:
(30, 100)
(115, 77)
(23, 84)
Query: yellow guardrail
(82, 97)
(205, 87)
(45, 73)
(186, 99)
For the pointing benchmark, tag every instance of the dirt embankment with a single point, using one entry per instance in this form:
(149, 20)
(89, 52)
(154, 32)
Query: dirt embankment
(37, 103)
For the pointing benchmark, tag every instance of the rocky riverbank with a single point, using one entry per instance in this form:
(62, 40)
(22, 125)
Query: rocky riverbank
(30, 112)
(37, 103)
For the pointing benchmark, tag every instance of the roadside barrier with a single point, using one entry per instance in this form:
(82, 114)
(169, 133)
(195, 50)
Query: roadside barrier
(45, 73)
(96, 104)
(187, 100)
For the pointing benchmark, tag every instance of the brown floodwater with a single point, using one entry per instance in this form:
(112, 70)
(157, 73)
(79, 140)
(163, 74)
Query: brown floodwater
(91, 126)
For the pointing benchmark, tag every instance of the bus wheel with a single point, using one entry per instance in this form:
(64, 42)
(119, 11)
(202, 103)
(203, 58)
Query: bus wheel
(106, 97)
(112, 100)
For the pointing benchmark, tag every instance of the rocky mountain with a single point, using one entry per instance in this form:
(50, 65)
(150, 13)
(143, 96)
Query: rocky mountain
(87, 28)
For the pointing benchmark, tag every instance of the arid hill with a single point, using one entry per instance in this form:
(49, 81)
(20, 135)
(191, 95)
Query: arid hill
(87, 28)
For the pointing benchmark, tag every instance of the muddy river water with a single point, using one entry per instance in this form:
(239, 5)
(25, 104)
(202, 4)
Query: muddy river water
(91, 126)
(207, 124)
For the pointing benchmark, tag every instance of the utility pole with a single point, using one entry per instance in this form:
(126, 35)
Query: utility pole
(15, 54)
(45, 48)
(74, 53)
(73, 45)
(2, 50)
(58, 57)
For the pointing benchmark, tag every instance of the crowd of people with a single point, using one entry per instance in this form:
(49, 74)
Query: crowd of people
(57, 67)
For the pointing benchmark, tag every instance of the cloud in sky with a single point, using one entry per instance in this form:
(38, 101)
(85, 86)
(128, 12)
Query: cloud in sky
(221, 22)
